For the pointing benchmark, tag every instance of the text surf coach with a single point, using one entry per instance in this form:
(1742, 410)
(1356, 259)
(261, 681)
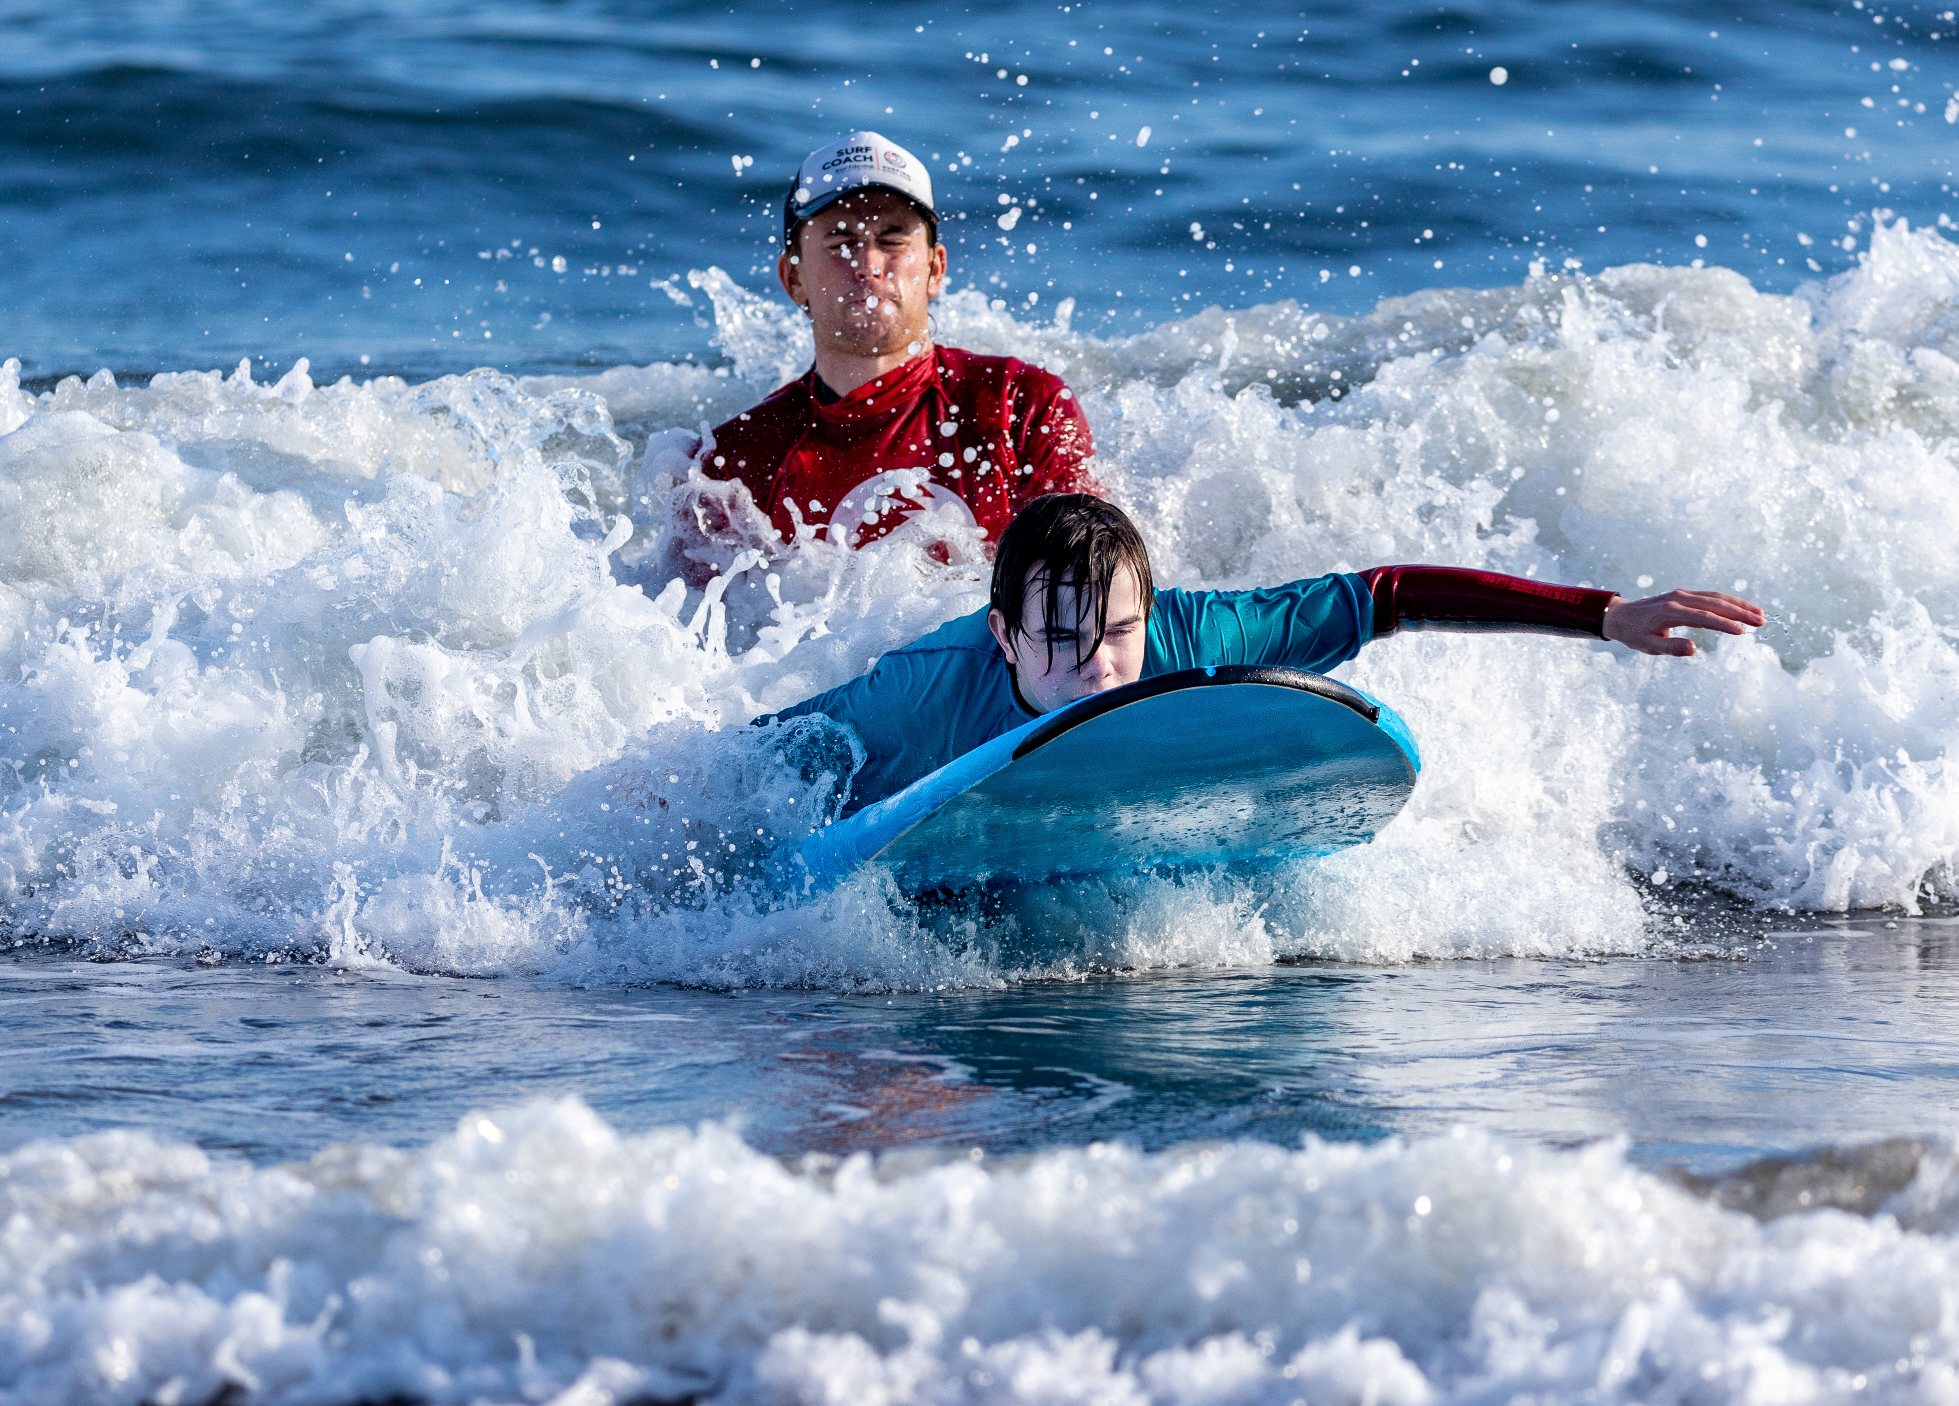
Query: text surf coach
(886, 422)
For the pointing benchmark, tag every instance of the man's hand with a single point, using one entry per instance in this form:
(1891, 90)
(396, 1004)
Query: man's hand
(1644, 624)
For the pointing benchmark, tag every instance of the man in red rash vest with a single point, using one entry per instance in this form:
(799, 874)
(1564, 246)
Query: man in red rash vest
(886, 422)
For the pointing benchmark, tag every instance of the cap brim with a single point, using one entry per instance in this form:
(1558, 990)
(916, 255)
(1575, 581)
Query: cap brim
(795, 219)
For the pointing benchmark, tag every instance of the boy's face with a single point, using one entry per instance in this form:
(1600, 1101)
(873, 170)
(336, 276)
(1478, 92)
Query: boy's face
(1054, 667)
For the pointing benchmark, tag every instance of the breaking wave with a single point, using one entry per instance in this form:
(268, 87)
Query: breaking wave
(446, 675)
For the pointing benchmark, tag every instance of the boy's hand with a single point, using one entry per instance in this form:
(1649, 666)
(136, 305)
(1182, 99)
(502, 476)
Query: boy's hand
(1644, 624)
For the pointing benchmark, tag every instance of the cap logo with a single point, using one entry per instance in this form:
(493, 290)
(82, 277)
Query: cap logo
(860, 159)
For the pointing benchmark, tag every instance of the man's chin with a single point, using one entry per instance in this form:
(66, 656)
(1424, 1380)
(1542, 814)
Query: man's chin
(871, 335)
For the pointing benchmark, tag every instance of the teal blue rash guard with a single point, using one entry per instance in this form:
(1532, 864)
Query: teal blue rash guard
(921, 706)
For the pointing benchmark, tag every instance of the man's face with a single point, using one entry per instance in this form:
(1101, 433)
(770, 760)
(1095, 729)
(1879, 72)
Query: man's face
(866, 270)
(1049, 680)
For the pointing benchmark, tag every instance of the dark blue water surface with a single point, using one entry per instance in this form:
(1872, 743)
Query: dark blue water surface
(1767, 1042)
(429, 186)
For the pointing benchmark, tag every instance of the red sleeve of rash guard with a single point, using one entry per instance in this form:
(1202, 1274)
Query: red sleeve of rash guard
(1055, 445)
(1453, 598)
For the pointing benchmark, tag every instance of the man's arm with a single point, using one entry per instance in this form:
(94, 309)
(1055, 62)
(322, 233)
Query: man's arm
(751, 447)
(1055, 445)
(1448, 597)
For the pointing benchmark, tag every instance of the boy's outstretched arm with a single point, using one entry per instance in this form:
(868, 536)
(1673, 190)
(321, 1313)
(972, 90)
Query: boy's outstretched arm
(1448, 597)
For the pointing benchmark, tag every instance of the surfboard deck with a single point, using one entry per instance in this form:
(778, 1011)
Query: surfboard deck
(1224, 765)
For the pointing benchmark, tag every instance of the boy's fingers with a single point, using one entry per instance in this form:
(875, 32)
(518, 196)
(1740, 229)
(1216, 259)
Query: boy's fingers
(1719, 627)
(1722, 603)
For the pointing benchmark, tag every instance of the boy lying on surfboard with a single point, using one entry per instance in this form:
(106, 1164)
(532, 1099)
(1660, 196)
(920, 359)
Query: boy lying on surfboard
(1075, 611)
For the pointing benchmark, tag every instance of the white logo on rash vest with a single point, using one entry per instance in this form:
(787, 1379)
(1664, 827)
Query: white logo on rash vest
(879, 504)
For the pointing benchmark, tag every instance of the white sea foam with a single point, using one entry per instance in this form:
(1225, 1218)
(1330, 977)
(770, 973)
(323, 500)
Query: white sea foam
(539, 1255)
(448, 675)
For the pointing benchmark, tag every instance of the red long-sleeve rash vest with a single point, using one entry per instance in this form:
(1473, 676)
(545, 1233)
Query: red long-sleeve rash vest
(991, 432)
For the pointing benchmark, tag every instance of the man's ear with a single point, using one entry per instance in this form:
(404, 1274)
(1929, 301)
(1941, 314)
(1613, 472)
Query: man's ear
(935, 280)
(997, 623)
(789, 273)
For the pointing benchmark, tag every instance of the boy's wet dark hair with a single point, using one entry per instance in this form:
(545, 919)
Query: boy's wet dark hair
(1067, 539)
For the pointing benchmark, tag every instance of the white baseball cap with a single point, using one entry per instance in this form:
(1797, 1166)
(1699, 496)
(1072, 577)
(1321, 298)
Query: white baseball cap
(853, 161)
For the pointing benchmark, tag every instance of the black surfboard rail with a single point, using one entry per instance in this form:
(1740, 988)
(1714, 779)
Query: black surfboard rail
(1274, 676)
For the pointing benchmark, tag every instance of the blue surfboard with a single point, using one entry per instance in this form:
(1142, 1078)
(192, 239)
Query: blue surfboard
(1205, 766)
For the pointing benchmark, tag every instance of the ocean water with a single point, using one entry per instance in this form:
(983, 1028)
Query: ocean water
(400, 1002)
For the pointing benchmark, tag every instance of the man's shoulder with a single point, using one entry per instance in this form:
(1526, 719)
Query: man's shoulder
(1005, 372)
(783, 407)
(756, 441)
